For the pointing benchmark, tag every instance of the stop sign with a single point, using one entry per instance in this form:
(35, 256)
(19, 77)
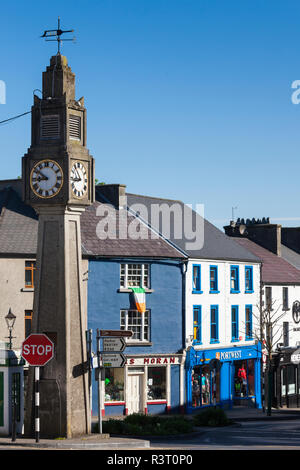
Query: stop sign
(37, 349)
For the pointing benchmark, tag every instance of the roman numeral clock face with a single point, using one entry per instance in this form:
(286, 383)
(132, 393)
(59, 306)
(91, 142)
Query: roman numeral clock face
(46, 179)
(79, 180)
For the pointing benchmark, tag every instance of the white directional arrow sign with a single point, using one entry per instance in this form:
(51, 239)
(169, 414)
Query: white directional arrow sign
(113, 344)
(113, 360)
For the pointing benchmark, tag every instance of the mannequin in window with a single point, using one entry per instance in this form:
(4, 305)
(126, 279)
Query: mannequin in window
(196, 393)
(242, 375)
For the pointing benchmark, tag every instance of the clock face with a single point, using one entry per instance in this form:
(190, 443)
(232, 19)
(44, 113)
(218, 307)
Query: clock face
(79, 180)
(46, 178)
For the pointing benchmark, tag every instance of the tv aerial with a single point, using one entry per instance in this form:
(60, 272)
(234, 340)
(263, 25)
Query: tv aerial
(56, 34)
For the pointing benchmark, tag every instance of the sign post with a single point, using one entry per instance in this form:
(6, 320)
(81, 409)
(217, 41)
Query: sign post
(37, 350)
(110, 356)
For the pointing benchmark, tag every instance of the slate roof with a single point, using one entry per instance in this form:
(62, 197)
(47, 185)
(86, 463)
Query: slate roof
(291, 256)
(18, 225)
(275, 269)
(216, 246)
(122, 244)
(19, 229)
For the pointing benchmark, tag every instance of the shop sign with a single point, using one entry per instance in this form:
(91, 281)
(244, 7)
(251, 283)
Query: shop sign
(140, 361)
(296, 311)
(295, 357)
(227, 355)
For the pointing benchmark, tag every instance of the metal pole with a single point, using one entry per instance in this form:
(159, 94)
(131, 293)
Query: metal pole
(14, 404)
(89, 335)
(99, 372)
(37, 404)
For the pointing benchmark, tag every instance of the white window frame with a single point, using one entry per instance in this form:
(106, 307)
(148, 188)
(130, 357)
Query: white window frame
(144, 338)
(144, 276)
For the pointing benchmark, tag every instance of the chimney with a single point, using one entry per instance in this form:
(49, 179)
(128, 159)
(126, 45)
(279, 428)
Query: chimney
(259, 231)
(291, 238)
(114, 194)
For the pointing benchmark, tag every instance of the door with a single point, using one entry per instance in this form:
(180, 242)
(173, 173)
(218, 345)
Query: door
(1, 400)
(135, 393)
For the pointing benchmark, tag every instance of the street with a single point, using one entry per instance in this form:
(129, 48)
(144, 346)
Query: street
(281, 435)
(250, 435)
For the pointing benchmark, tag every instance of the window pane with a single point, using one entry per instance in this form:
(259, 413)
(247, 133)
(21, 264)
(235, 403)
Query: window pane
(196, 277)
(136, 322)
(156, 389)
(114, 384)
(28, 278)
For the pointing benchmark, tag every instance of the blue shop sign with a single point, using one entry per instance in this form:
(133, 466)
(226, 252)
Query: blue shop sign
(198, 357)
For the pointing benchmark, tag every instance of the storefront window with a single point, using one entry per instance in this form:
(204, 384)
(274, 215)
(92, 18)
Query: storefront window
(202, 386)
(244, 379)
(114, 384)
(291, 380)
(156, 389)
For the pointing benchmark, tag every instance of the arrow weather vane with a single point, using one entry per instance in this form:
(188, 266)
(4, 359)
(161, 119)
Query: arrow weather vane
(56, 33)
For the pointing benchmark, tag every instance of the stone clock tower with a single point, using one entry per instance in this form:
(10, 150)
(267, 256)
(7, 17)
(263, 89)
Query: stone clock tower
(58, 182)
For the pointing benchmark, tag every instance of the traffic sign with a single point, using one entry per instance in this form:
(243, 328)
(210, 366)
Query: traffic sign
(116, 333)
(37, 349)
(113, 360)
(111, 344)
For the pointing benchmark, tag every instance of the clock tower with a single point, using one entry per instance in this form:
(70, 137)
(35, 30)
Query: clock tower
(58, 182)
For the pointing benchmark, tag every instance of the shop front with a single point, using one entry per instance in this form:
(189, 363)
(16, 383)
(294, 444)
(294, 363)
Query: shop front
(287, 379)
(147, 384)
(225, 377)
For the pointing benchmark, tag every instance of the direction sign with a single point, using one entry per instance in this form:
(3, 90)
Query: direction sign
(116, 333)
(37, 349)
(113, 360)
(111, 344)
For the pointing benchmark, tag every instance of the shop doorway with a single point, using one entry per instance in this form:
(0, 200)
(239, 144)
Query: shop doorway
(135, 392)
(243, 382)
(289, 382)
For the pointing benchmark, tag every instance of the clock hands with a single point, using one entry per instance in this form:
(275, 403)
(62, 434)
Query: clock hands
(77, 178)
(42, 176)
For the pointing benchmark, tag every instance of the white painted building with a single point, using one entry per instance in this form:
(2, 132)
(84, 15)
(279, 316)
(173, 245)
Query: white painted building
(280, 306)
(236, 307)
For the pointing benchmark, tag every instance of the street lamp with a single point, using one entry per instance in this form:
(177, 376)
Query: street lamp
(10, 321)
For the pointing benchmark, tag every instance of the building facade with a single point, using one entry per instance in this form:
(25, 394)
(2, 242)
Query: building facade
(221, 312)
(152, 378)
(280, 312)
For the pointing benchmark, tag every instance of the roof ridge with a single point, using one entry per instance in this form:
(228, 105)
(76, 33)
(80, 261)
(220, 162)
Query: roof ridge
(155, 197)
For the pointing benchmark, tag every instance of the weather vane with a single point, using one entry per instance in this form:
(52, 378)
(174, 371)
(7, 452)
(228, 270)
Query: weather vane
(56, 33)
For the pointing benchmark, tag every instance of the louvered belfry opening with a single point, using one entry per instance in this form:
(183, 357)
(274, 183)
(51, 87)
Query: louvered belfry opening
(50, 127)
(75, 127)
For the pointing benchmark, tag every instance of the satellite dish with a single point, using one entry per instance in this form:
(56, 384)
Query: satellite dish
(242, 229)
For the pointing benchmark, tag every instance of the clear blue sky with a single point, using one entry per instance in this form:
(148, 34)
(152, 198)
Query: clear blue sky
(186, 99)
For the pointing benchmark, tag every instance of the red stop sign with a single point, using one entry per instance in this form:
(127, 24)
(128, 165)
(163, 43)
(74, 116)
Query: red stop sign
(37, 349)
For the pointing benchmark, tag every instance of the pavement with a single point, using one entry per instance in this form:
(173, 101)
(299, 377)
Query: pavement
(97, 441)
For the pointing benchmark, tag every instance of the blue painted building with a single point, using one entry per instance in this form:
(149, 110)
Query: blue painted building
(152, 380)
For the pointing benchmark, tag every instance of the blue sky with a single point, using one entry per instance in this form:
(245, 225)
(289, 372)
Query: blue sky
(186, 99)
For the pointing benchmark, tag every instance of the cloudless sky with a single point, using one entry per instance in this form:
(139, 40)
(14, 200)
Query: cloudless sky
(186, 99)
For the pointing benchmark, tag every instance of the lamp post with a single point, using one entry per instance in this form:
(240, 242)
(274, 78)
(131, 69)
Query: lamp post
(10, 321)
